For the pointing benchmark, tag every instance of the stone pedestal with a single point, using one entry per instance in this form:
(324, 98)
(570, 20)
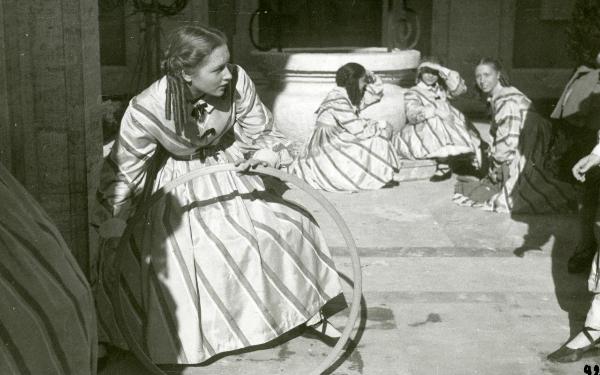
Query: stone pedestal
(297, 80)
(50, 133)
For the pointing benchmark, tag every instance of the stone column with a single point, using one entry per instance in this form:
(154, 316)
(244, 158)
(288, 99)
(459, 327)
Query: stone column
(50, 133)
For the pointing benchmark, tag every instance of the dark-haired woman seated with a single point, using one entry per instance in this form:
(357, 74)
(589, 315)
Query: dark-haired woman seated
(516, 181)
(345, 151)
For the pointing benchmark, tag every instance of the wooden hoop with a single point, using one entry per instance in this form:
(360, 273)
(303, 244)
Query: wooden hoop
(336, 351)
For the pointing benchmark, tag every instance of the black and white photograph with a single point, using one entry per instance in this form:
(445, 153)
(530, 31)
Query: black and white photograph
(302, 187)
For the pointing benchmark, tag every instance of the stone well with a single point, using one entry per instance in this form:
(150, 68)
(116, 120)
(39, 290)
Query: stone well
(297, 80)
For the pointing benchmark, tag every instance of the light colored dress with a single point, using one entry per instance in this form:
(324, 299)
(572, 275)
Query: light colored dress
(521, 141)
(47, 318)
(426, 134)
(222, 263)
(345, 151)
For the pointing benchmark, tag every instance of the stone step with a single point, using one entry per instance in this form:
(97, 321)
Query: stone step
(412, 170)
(439, 252)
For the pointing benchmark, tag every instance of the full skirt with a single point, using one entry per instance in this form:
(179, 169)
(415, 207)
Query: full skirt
(219, 264)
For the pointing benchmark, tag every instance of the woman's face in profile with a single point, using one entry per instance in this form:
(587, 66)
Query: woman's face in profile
(487, 77)
(212, 76)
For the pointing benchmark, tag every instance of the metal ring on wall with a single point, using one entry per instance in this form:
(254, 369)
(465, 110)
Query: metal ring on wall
(336, 351)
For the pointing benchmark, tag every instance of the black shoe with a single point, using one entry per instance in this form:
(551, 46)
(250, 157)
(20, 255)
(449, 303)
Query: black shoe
(565, 354)
(441, 177)
(580, 262)
(312, 333)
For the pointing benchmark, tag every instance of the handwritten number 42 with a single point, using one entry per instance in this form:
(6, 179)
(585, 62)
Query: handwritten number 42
(588, 370)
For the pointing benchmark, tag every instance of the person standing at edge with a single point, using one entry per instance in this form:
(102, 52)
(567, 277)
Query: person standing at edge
(589, 336)
(578, 114)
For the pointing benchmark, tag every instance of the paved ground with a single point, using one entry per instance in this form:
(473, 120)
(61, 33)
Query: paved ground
(444, 292)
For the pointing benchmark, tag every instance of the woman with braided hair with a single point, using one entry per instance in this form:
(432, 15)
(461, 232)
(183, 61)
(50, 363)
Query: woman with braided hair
(517, 179)
(221, 263)
(347, 152)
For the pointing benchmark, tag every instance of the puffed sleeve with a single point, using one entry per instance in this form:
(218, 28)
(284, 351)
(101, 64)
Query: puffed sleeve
(373, 91)
(596, 150)
(416, 112)
(340, 112)
(122, 175)
(507, 122)
(253, 127)
(454, 83)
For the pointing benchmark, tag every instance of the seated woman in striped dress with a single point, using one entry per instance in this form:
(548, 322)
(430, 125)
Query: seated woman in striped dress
(516, 179)
(221, 263)
(435, 129)
(345, 151)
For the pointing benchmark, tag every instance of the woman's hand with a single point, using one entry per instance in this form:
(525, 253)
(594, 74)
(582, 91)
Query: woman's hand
(495, 172)
(444, 116)
(493, 175)
(431, 65)
(264, 157)
(584, 165)
(243, 165)
(370, 77)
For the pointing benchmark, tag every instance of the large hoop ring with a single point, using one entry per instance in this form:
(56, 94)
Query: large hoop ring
(336, 351)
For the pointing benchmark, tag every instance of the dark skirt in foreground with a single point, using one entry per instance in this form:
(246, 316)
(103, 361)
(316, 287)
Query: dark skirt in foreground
(47, 319)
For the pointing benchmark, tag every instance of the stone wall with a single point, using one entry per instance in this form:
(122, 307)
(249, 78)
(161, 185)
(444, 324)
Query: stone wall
(116, 78)
(463, 31)
(50, 137)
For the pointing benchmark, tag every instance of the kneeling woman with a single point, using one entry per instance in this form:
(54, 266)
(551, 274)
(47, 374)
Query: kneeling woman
(435, 129)
(345, 151)
(516, 181)
(221, 263)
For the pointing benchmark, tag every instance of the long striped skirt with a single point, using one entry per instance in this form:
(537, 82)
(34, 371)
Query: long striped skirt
(47, 318)
(434, 138)
(220, 264)
(526, 185)
(335, 160)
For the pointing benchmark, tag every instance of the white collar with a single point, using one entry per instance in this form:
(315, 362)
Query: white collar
(208, 107)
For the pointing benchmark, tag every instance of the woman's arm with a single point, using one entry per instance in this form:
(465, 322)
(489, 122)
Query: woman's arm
(373, 91)
(123, 173)
(340, 112)
(416, 112)
(253, 127)
(508, 120)
(454, 82)
(587, 162)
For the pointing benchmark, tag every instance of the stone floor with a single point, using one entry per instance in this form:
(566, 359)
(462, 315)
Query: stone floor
(444, 292)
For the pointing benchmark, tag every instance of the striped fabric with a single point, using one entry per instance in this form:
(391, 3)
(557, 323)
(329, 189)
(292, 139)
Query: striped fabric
(521, 141)
(427, 135)
(221, 263)
(47, 319)
(346, 152)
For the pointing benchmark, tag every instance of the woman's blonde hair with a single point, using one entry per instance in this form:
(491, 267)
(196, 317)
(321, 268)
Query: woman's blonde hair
(187, 48)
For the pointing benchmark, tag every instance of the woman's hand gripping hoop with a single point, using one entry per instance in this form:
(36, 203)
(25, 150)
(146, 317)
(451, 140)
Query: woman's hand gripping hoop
(336, 351)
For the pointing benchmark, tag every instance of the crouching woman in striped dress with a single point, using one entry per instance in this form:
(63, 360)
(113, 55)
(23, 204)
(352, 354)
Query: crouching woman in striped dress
(518, 180)
(345, 151)
(47, 318)
(221, 263)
